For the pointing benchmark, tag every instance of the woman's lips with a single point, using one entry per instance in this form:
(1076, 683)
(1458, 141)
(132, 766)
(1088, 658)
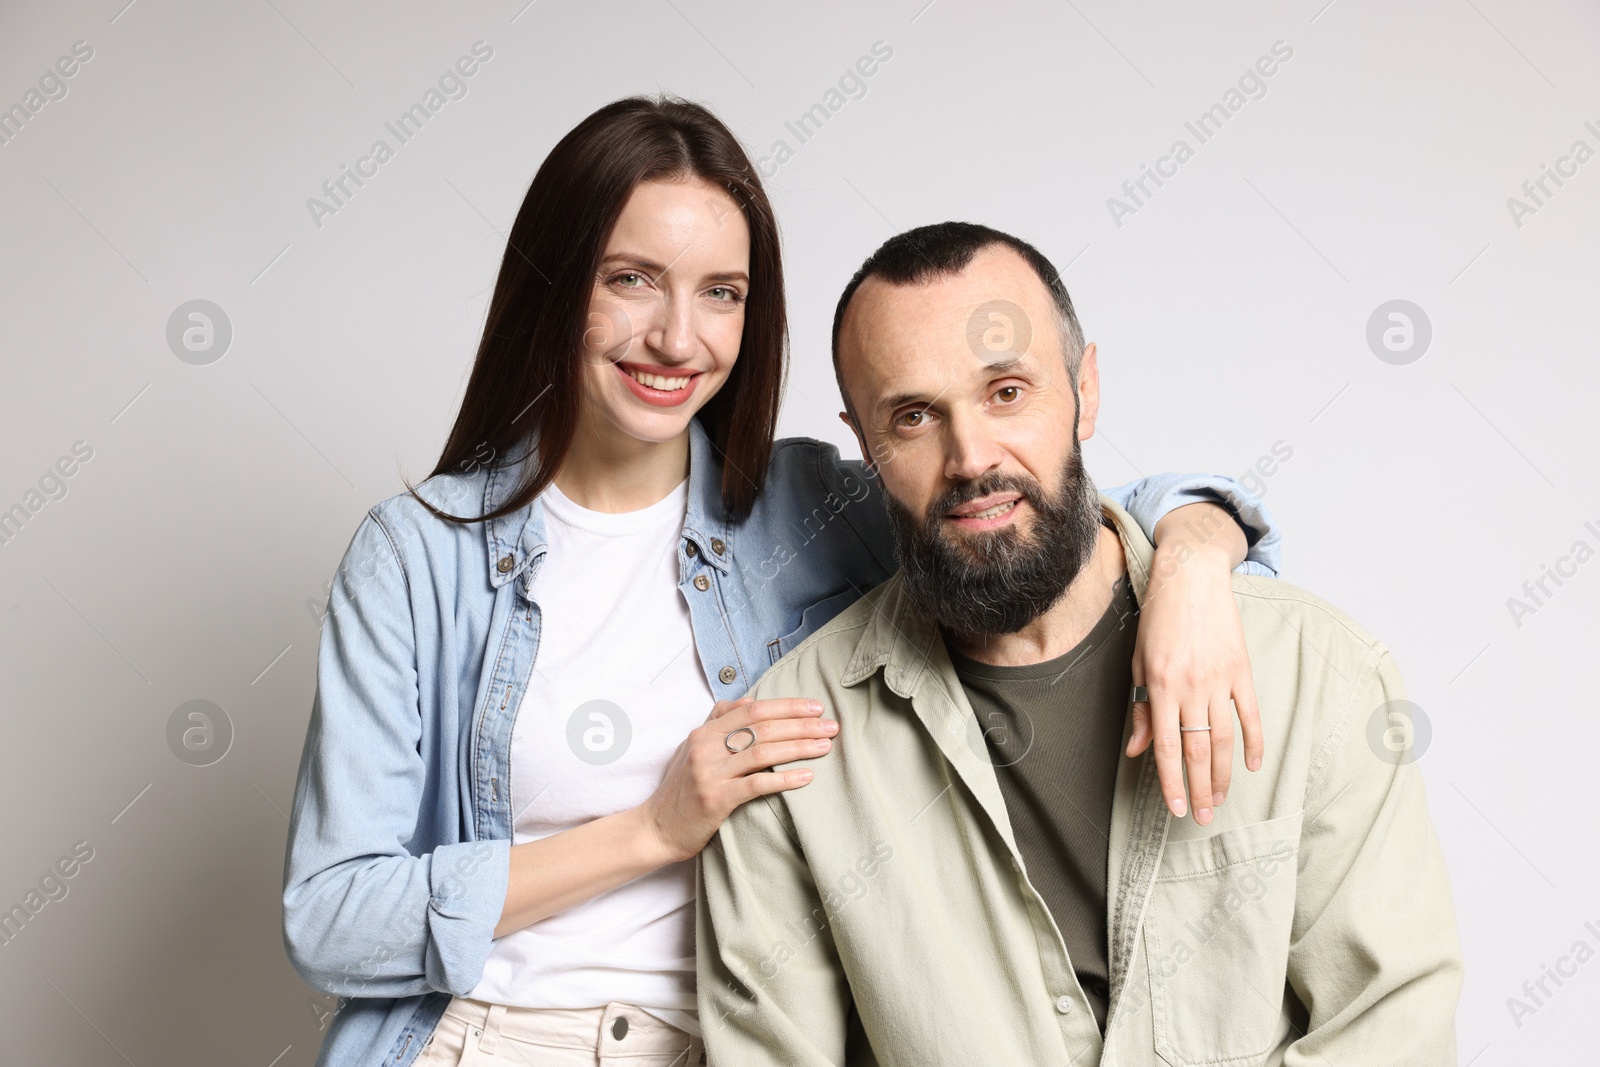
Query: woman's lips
(650, 394)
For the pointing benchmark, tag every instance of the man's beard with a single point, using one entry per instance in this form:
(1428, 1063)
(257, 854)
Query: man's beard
(998, 581)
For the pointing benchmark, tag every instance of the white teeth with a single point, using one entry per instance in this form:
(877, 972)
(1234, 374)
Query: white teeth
(998, 509)
(657, 381)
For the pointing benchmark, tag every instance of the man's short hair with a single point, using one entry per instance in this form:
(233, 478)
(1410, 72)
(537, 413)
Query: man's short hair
(945, 248)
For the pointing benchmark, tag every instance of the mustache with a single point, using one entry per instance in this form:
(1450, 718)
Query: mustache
(984, 485)
(997, 581)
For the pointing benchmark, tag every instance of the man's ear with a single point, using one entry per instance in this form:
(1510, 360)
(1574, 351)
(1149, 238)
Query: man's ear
(861, 442)
(1088, 392)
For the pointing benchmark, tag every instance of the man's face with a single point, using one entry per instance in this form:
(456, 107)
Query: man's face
(963, 400)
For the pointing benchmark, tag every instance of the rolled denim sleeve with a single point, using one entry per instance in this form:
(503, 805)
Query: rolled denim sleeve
(363, 915)
(1148, 499)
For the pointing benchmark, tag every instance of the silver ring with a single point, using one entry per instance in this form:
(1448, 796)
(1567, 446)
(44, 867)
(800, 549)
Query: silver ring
(1141, 695)
(1194, 729)
(727, 742)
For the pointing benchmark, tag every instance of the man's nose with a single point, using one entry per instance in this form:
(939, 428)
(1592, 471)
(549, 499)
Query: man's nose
(970, 452)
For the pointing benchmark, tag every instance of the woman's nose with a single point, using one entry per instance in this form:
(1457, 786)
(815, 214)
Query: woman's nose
(674, 335)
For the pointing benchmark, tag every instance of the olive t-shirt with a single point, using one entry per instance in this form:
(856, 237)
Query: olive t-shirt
(1054, 733)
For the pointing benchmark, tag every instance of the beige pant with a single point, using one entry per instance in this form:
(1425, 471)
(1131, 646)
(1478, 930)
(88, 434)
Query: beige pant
(473, 1033)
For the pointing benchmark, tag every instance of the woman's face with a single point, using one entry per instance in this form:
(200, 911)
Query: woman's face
(667, 310)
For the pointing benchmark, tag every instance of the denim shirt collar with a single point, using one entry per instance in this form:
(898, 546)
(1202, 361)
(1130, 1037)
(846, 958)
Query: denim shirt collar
(517, 542)
(706, 522)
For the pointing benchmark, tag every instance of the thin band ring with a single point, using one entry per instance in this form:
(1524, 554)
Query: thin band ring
(1194, 729)
(727, 742)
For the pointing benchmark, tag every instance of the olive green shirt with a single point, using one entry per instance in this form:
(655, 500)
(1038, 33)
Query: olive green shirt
(882, 914)
(1054, 732)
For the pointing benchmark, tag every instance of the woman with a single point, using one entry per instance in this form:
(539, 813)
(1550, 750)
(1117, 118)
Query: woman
(510, 767)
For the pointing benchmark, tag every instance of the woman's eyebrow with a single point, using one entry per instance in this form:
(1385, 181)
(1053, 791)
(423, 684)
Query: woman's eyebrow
(644, 263)
(655, 270)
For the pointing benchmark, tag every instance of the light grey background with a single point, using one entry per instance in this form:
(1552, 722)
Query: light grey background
(188, 558)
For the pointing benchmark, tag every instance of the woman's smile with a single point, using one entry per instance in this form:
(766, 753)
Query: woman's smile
(650, 384)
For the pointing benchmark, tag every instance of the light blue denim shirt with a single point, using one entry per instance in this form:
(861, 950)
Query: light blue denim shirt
(400, 837)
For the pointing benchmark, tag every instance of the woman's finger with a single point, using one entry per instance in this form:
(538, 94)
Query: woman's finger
(810, 726)
(757, 785)
(758, 758)
(1139, 736)
(1244, 699)
(1169, 749)
(722, 707)
(750, 725)
(1221, 737)
(756, 711)
(1197, 758)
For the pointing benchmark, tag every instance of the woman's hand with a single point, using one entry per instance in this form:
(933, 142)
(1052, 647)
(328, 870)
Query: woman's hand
(1190, 653)
(705, 782)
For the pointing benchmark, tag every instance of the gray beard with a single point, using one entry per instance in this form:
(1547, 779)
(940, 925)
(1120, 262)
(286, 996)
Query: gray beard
(998, 581)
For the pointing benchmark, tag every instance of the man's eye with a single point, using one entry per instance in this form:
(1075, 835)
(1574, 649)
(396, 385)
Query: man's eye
(911, 418)
(1008, 393)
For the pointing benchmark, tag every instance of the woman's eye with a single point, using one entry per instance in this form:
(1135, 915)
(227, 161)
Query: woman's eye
(724, 293)
(628, 278)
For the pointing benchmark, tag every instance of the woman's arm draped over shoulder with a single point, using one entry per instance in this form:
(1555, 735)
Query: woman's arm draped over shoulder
(1149, 500)
(1190, 653)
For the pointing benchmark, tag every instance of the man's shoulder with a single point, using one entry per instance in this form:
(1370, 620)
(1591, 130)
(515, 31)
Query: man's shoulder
(1272, 603)
(1307, 655)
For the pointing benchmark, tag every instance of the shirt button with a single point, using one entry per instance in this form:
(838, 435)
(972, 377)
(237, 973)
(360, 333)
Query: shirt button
(505, 564)
(717, 545)
(727, 674)
(701, 582)
(1064, 1004)
(691, 549)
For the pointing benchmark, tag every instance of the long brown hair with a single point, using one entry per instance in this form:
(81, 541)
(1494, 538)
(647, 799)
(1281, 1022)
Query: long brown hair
(527, 375)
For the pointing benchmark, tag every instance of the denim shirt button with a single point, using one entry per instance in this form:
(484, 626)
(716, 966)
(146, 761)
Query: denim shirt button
(701, 582)
(505, 564)
(727, 674)
(691, 549)
(717, 545)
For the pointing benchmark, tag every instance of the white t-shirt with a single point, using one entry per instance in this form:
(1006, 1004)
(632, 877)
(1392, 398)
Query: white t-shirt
(616, 687)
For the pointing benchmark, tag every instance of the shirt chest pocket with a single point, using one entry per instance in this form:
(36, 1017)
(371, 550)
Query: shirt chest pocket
(1216, 935)
(811, 620)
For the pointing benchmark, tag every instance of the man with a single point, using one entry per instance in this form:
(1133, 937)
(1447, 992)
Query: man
(976, 875)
